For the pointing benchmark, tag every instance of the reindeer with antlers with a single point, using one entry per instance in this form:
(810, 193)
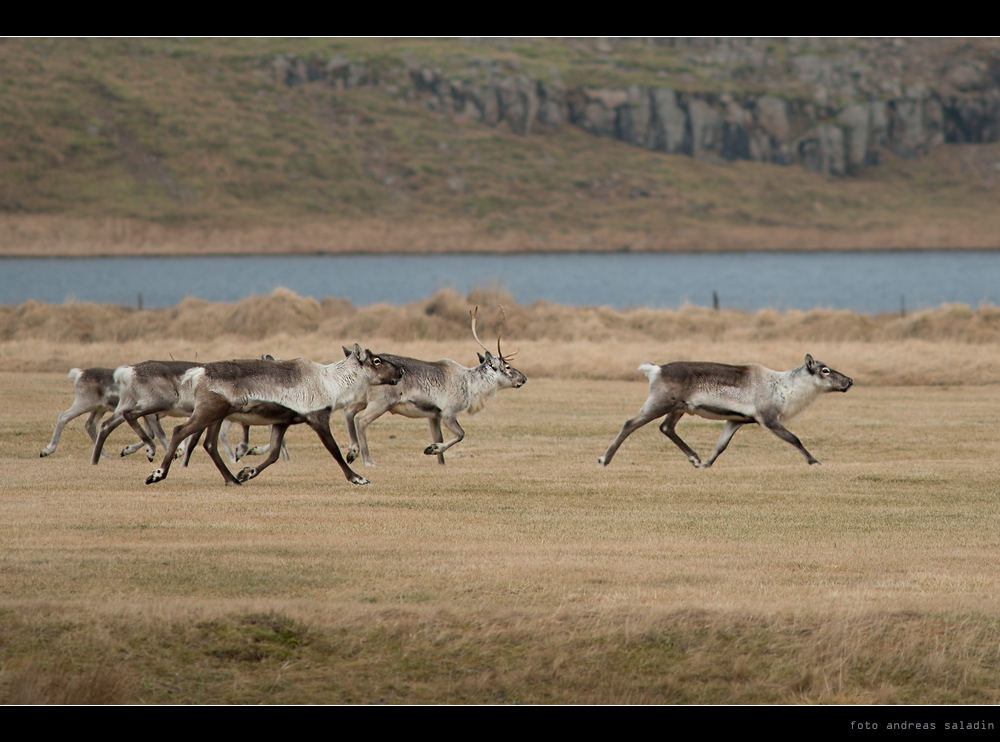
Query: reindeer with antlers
(438, 391)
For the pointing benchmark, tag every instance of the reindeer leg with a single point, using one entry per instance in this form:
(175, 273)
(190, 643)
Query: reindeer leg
(243, 447)
(728, 431)
(208, 411)
(224, 441)
(72, 413)
(349, 414)
(266, 448)
(454, 427)
(667, 428)
(372, 412)
(435, 425)
(91, 427)
(151, 431)
(189, 445)
(320, 422)
(786, 435)
(133, 422)
(212, 446)
(649, 412)
(274, 450)
(107, 427)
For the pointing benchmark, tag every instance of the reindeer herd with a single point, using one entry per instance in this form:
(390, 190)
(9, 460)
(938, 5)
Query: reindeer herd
(366, 385)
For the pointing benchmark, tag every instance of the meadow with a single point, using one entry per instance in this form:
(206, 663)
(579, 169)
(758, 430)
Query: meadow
(520, 572)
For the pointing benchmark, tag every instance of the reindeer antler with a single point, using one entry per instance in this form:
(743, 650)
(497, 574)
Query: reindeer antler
(472, 314)
(503, 320)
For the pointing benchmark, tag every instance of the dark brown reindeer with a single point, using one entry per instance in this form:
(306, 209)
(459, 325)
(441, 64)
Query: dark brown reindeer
(737, 394)
(436, 390)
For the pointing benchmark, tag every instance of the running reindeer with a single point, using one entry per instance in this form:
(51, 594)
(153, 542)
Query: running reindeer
(438, 391)
(275, 393)
(96, 392)
(737, 394)
(153, 389)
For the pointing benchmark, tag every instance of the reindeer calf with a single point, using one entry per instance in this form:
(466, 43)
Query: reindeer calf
(737, 394)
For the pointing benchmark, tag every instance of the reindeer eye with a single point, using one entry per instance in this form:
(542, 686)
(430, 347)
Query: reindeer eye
(376, 362)
(826, 372)
(507, 367)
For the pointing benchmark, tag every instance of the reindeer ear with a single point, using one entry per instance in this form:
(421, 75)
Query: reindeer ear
(347, 351)
(810, 363)
(267, 357)
(359, 353)
(482, 358)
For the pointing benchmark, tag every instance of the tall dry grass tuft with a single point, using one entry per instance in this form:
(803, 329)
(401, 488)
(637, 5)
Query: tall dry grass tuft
(445, 316)
(100, 685)
(952, 344)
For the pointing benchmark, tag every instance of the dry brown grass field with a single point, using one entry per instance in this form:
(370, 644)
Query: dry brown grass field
(520, 572)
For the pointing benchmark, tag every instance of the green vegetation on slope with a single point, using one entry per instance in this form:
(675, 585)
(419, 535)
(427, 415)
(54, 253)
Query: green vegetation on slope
(197, 132)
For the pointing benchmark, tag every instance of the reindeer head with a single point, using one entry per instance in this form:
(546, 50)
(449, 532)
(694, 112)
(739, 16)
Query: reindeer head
(826, 378)
(379, 370)
(508, 375)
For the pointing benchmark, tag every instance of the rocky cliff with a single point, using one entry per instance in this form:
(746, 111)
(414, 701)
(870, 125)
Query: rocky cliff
(832, 106)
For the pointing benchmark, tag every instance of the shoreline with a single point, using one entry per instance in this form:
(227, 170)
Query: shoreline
(146, 253)
(513, 253)
(29, 236)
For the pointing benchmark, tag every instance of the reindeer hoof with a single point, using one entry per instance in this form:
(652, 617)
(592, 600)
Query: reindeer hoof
(359, 480)
(350, 456)
(44, 453)
(155, 477)
(233, 484)
(600, 462)
(246, 474)
(431, 450)
(814, 462)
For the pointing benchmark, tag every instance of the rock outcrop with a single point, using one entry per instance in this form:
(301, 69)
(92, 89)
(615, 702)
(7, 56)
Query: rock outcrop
(858, 108)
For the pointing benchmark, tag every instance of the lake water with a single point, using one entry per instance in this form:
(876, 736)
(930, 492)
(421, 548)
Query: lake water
(870, 282)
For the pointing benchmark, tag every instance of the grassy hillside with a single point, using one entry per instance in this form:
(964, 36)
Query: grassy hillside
(190, 145)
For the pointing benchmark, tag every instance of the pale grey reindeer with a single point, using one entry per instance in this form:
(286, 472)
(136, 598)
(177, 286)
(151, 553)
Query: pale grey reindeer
(150, 388)
(438, 391)
(279, 394)
(96, 392)
(737, 394)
